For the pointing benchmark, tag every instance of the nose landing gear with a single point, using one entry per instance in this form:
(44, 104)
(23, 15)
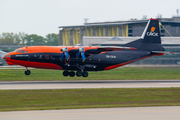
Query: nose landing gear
(27, 72)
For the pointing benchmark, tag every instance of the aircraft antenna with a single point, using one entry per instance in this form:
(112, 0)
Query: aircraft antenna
(177, 12)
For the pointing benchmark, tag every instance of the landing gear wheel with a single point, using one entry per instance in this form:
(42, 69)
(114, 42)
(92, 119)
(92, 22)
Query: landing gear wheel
(85, 74)
(78, 73)
(65, 73)
(27, 72)
(71, 74)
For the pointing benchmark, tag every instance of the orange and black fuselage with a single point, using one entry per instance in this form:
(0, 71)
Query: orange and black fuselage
(47, 57)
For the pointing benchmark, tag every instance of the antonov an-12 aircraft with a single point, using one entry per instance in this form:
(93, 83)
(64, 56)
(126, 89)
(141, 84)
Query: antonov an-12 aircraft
(79, 60)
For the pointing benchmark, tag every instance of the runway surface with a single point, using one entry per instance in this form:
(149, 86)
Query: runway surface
(132, 113)
(89, 84)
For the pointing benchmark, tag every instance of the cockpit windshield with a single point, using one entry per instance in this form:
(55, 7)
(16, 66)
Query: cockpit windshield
(20, 51)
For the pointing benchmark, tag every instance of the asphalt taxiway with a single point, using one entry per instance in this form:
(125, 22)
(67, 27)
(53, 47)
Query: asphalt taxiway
(89, 84)
(131, 113)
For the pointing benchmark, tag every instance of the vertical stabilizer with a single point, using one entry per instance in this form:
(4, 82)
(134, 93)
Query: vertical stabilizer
(150, 39)
(151, 33)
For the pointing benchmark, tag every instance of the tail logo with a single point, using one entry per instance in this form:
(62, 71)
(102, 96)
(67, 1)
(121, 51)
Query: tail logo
(153, 29)
(152, 33)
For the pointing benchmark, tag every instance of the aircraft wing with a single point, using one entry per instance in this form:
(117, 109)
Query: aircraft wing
(85, 51)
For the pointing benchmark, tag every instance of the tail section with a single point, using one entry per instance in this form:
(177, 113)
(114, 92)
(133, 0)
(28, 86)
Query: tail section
(150, 39)
(151, 33)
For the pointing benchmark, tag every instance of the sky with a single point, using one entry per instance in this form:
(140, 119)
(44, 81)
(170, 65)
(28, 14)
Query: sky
(42, 17)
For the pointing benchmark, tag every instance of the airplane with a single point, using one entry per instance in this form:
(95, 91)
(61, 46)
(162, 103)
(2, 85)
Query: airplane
(79, 60)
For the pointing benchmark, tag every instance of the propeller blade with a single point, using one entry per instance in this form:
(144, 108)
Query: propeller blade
(83, 56)
(62, 56)
(78, 54)
(67, 55)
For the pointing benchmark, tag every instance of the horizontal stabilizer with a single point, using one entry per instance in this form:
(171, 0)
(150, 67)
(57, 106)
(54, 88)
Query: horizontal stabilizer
(163, 52)
(115, 48)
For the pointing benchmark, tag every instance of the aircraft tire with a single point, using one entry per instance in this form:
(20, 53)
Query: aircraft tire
(85, 74)
(71, 74)
(78, 73)
(27, 72)
(65, 73)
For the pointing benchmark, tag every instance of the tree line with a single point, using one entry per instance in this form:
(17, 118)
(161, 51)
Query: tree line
(22, 38)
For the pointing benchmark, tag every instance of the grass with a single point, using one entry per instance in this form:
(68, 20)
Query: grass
(12, 100)
(126, 73)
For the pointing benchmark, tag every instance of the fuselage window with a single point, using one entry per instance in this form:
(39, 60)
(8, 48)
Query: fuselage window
(46, 56)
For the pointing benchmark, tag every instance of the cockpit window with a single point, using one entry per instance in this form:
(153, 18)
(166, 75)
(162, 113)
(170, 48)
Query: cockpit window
(21, 51)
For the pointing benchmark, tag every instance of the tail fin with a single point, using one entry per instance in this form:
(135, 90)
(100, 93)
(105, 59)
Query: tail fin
(150, 39)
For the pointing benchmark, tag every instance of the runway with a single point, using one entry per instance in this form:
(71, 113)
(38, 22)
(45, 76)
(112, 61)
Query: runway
(89, 84)
(128, 113)
(131, 113)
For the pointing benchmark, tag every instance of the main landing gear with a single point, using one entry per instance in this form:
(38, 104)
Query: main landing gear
(78, 73)
(27, 72)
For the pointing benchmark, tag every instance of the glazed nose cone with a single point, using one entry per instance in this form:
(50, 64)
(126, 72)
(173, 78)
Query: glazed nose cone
(4, 57)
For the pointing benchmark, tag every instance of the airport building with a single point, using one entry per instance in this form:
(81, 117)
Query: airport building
(72, 35)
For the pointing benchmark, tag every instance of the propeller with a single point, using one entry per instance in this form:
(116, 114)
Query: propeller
(81, 52)
(65, 54)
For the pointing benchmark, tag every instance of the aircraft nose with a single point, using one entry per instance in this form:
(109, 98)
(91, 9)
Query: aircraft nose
(4, 57)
